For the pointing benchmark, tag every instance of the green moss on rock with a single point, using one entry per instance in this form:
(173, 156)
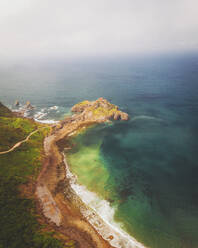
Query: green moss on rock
(99, 110)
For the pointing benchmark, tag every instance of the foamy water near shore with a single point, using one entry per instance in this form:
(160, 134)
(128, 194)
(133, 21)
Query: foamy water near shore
(40, 115)
(100, 215)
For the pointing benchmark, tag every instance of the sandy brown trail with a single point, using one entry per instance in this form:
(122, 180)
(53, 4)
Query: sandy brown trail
(53, 192)
(19, 143)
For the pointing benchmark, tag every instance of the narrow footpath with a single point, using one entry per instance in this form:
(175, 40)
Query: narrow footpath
(20, 142)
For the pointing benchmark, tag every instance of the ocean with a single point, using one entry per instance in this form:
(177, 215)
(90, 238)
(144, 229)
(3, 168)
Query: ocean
(146, 169)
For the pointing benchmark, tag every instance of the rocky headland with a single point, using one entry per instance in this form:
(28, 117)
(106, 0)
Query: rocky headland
(60, 205)
(100, 110)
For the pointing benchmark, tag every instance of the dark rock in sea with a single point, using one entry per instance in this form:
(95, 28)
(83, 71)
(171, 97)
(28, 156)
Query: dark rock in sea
(28, 105)
(16, 104)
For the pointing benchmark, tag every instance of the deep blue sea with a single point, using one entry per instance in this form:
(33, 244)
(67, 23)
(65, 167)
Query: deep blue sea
(147, 168)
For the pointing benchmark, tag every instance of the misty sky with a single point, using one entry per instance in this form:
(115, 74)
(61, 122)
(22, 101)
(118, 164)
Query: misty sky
(63, 28)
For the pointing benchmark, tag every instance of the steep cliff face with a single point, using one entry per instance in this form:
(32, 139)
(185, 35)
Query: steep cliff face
(4, 111)
(99, 110)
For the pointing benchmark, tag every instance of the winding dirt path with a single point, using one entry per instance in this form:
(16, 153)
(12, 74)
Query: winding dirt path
(53, 193)
(20, 142)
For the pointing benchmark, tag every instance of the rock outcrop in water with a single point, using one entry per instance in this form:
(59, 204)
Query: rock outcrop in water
(16, 104)
(28, 105)
(23, 111)
(100, 111)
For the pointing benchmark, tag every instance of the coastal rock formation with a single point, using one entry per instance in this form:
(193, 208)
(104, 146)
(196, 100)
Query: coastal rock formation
(16, 104)
(28, 105)
(23, 111)
(63, 209)
(58, 201)
(100, 111)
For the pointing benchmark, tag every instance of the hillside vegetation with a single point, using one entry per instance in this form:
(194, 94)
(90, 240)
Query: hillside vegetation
(18, 173)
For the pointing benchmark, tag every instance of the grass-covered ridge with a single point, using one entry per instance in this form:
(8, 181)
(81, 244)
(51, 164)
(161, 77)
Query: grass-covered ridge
(99, 110)
(18, 173)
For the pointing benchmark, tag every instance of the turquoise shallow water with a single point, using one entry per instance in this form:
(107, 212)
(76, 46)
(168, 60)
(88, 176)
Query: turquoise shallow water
(144, 171)
(147, 168)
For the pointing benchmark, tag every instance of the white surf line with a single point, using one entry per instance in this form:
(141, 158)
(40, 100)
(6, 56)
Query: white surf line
(48, 121)
(145, 117)
(120, 238)
(20, 142)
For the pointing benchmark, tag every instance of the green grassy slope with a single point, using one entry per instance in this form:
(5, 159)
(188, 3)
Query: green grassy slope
(18, 222)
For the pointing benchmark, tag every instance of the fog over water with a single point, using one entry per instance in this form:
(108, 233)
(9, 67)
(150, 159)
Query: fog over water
(66, 29)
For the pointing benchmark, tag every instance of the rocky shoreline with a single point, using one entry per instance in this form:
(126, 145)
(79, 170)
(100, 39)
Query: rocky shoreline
(58, 201)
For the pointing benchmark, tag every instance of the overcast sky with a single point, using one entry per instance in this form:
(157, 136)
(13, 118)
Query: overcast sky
(66, 28)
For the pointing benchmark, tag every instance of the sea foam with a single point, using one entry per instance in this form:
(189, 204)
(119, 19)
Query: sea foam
(101, 215)
(145, 117)
(53, 107)
(46, 121)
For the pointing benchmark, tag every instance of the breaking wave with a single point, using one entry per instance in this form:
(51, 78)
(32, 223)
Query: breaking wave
(101, 215)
